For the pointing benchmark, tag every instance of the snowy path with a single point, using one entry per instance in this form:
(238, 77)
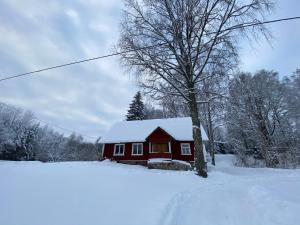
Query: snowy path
(90, 193)
(240, 196)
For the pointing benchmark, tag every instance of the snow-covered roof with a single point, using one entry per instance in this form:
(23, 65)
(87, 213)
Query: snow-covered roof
(138, 130)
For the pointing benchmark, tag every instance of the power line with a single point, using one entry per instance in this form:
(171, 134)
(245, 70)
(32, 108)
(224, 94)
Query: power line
(75, 62)
(63, 128)
(151, 46)
(51, 124)
(264, 22)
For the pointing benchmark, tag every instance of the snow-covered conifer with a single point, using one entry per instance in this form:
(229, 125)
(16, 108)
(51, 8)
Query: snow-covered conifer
(136, 108)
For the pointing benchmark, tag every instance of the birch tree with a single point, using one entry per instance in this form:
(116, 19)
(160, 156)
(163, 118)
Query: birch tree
(212, 109)
(187, 38)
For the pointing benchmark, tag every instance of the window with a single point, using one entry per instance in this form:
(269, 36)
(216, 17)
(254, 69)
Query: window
(185, 149)
(137, 149)
(160, 148)
(119, 149)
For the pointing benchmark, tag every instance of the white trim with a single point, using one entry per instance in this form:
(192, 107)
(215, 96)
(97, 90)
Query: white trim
(115, 150)
(169, 145)
(181, 144)
(150, 150)
(137, 144)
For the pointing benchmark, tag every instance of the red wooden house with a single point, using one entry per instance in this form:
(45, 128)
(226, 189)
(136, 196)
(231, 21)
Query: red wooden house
(138, 141)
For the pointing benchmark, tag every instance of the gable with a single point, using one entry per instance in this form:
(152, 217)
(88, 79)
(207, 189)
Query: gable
(159, 135)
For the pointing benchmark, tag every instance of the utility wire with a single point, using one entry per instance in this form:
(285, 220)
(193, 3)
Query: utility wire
(151, 46)
(63, 128)
(261, 23)
(51, 124)
(75, 62)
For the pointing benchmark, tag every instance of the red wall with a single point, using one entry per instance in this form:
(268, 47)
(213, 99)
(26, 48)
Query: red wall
(109, 152)
(158, 136)
(176, 151)
(175, 154)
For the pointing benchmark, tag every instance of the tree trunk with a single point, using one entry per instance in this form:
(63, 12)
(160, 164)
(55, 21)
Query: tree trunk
(211, 136)
(199, 155)
(266, 143)
(209, 125)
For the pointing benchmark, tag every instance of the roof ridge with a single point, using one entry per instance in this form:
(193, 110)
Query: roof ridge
(180, 128)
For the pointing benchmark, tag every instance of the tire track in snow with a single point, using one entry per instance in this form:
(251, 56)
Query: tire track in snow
(172, 212)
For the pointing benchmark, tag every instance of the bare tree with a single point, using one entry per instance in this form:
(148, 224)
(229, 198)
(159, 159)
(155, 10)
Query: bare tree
(173, 106)
(260, 122)
(212, 109)
(153, 113)
(188, 37)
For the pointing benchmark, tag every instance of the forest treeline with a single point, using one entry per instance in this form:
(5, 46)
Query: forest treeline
(23, 138)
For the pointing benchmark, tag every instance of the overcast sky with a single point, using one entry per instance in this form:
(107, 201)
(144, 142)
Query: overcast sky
(89, 97)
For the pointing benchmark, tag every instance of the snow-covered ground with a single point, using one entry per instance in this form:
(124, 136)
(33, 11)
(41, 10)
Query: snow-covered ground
(96, 193)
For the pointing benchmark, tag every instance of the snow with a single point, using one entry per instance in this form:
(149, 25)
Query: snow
(159, 160)
(164, 160)
(182, 162)
(139, 130)
(108, 193)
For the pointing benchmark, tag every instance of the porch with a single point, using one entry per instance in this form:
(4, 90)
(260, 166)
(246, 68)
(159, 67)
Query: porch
(160, 150)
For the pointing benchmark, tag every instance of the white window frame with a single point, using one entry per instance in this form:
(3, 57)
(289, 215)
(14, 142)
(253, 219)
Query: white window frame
(181, 147)
(141, 144)
(116, 148)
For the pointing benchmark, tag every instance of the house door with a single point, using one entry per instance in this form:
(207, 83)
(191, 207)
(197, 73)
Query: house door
(160, 147)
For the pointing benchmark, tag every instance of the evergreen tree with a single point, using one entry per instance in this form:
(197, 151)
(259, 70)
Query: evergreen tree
(136, 108)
